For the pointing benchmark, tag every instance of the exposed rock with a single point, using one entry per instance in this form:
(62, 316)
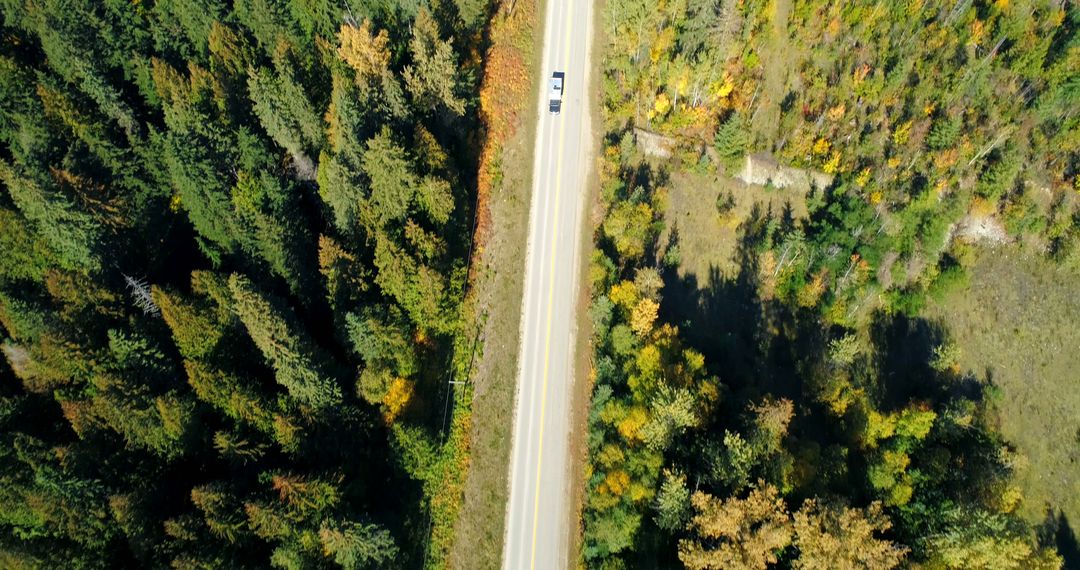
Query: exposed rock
(303, 167)
(19, 359)
(654, 144)
(985, 229)
(762, 169)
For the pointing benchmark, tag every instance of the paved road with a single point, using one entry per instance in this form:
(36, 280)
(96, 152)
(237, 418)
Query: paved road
(539, 514)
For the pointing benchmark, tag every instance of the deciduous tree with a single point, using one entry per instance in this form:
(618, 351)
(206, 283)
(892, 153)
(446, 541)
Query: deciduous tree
(737, 533)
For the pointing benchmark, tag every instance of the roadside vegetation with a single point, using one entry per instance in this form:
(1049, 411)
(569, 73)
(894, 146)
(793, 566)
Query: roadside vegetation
(791, 404)
(507, 98)
(235, 244)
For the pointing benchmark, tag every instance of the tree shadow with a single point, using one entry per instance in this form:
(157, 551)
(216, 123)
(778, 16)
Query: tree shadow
(742, 337)
(904, 350)
(1056, 532)
(669, 255)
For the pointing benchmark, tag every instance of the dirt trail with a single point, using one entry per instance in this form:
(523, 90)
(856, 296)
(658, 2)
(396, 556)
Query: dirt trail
(775, 58)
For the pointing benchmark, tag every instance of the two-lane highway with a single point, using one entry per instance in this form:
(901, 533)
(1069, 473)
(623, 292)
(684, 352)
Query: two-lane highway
(539, 514)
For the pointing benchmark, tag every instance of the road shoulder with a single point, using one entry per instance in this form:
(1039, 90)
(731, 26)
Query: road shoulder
(498, 285)
(583, 362)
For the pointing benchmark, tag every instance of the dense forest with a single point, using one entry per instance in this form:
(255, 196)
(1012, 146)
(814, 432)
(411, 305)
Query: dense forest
(234, 247)
(800, 413)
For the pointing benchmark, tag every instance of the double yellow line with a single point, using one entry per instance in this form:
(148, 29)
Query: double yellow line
(551, 291)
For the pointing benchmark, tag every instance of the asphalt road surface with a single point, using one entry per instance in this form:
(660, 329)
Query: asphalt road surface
(539, 514)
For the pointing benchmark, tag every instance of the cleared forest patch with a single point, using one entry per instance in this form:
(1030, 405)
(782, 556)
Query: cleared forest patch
(1016, 325)
(703, 216)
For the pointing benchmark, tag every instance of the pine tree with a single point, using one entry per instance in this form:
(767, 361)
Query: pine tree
(221, 510)
(195, 327)
(421, 290)
(345, 278)
(237, 398)
(433, 77)
(146, 141)
(266, 215)
(27, 256)
(340, 189)
(81, 43)
(23, 128)
(673, 502)
(472, 12)
(731, 141)
(41, 498)
(393, 183)
(74, 235)
(134, 396)
(270, 21)
(186, 25)
(200, 154)
(298, 364)
(355, 546)
(284, 109)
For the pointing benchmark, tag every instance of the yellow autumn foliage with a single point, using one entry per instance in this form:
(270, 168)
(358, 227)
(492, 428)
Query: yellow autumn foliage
(662, 104)
(630, 426)
(615, 483)
(643, 316)
(611, 455)
(821, 146)
(624, 294)
(663, 43)
(978, 30)
(982, 208)
(878, 427)
(860, 73)
(639, 492)
(724, 88)
(832, 166)
(946, 158)
(363, 50)
(648, 361)
(397, 397)
(810, 294)
(863, 178)
(682, 83)
(902, 133)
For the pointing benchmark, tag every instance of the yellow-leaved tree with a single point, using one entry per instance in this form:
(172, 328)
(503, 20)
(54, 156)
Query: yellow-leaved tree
(737, 534)
(843, 538)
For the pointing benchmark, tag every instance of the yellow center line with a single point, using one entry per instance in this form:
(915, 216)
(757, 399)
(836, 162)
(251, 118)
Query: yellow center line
(551, 297)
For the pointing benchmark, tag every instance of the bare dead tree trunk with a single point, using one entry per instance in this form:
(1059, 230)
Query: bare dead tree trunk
(783, 256)
(790, 262)
(352, 17)
(995, 49)
(1002, 135)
